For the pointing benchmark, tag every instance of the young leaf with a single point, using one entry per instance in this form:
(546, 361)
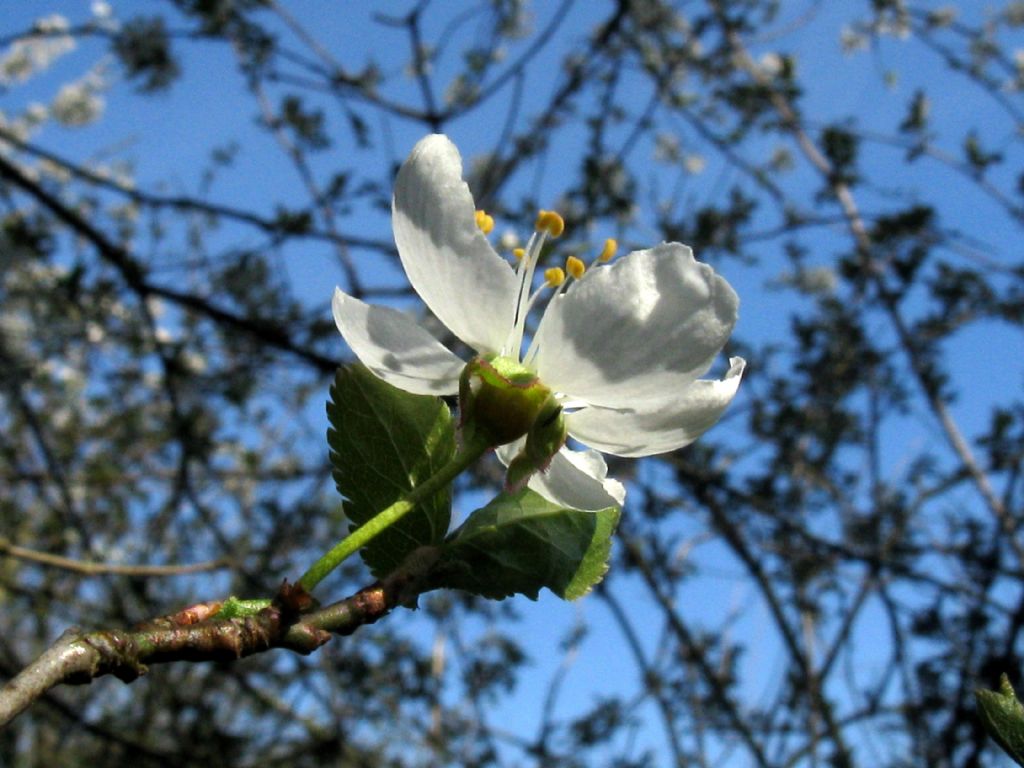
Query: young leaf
(1003, 717)
(383, 443)
(519, 543)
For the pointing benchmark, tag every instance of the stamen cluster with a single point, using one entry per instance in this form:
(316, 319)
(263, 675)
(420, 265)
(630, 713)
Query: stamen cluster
(549, 224)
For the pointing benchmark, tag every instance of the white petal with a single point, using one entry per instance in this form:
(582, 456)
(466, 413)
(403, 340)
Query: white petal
(575, 479)
(449, 262)
(635, 432)
(638, 330)
(396, 348)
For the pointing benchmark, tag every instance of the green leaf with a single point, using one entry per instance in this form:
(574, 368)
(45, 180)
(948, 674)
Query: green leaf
(384, 442)
(1003, 717)
(519, 543)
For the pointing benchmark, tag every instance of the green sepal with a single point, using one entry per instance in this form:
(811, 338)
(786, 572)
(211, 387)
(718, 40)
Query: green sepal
(384, 442)
(1003, 717)
(520, 543)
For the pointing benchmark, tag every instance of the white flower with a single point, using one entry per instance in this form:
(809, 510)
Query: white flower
(32, 54)
(78, 103)
(771, 63)
(622, 346)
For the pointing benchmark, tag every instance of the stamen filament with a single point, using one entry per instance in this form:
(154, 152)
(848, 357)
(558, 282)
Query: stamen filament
(525, 270)
(536, 297)
(548, 224)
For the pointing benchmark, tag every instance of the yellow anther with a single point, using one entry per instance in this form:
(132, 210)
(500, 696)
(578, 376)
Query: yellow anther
(575, 267)
(484, 222)
(550, 222)
(554, 276)
(610, 247)
(519, 253)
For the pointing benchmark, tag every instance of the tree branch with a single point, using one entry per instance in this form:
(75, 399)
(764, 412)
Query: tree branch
(92, 568)
(133, 274)
(197, 634)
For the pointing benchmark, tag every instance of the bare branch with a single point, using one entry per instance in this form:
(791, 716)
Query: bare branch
(89, 568)
(196, 634)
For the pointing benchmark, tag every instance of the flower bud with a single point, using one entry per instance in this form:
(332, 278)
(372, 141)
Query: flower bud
(499, 399)
(546, 437)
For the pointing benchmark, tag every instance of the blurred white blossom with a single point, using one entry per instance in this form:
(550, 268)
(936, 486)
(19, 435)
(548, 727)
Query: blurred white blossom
(813, 281)
(771, 63)
(694, 163)
(509, 240)
(79, 103)
(32, 54)
(16, 127)
(94, 332)
(194, 362)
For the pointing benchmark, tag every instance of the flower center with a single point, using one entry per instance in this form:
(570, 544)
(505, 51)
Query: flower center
(549, 224)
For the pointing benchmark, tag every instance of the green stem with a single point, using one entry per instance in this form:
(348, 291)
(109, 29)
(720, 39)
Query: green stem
(376, 525)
